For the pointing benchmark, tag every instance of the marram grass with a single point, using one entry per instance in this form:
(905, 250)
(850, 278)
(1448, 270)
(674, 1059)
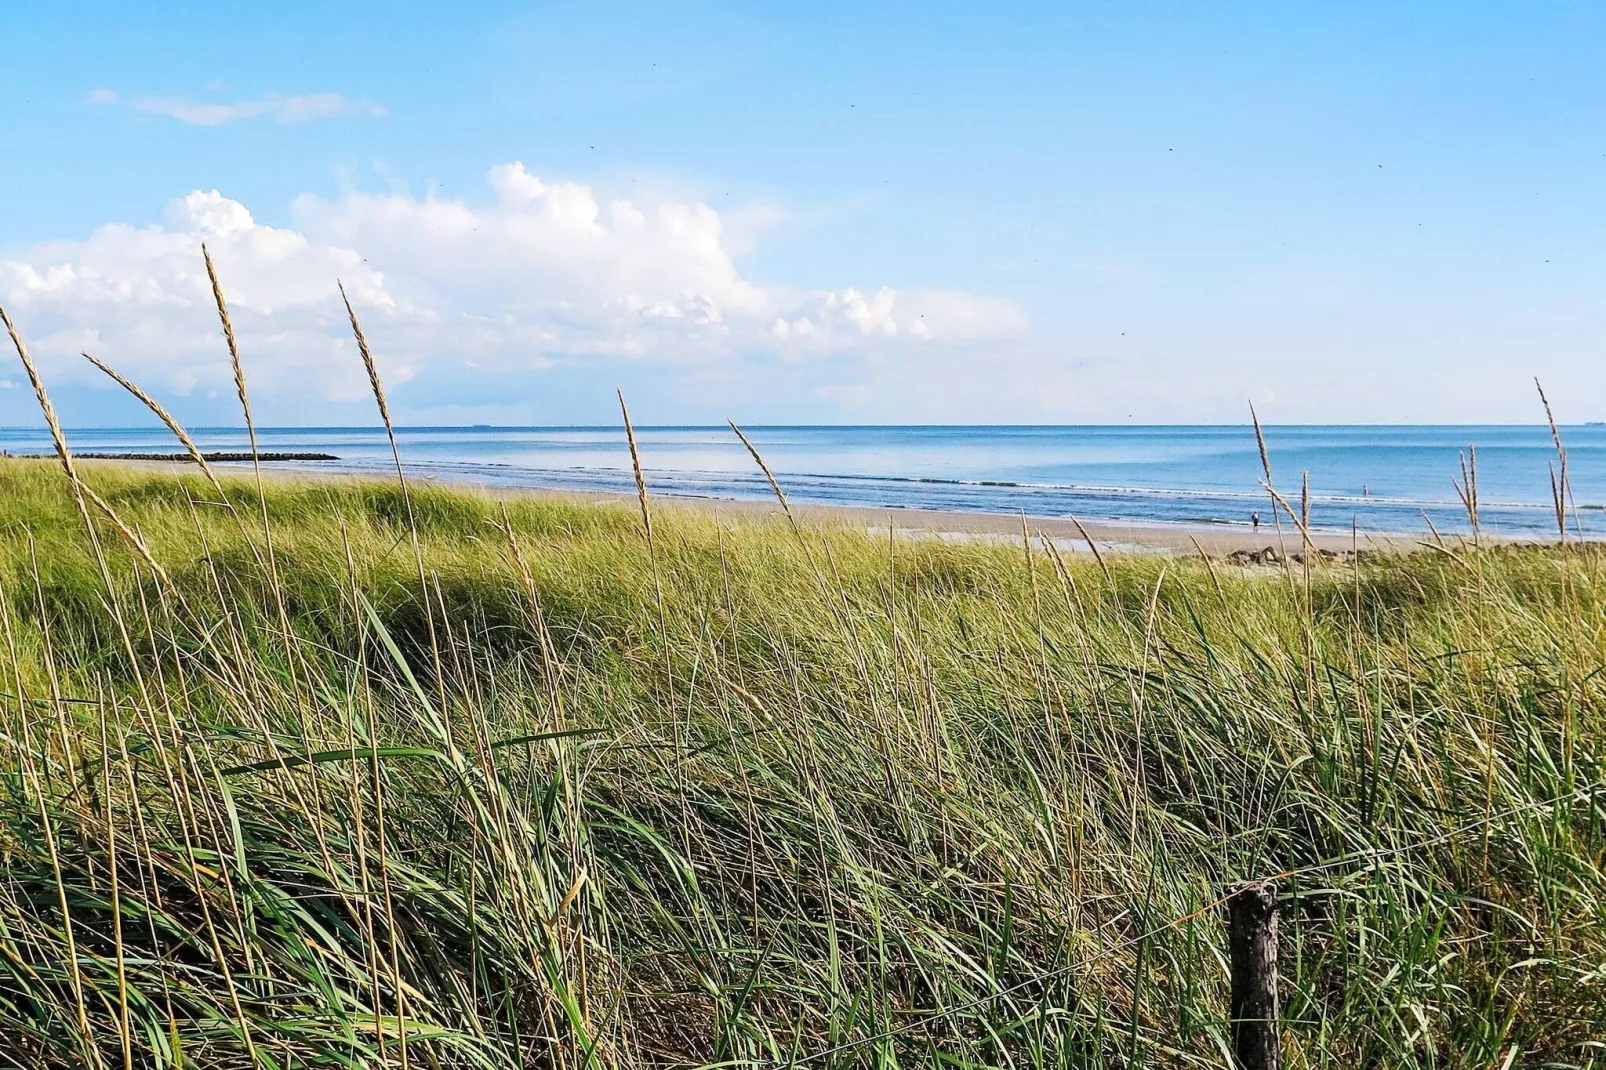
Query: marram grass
(828, 799)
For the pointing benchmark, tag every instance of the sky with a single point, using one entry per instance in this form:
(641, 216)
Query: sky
(825, 213)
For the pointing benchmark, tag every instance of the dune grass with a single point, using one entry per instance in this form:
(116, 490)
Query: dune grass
(771, 795)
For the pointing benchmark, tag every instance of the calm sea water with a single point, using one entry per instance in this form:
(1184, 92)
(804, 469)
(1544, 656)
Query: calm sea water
(1381, 478)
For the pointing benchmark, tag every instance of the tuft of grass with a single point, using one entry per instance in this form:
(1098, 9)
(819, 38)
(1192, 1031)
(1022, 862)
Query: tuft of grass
(535, 791)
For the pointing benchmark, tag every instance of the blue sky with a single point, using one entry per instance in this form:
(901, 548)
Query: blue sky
(814, 213)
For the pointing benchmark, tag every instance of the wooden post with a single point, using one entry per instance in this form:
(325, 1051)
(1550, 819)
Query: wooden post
(1252, 929)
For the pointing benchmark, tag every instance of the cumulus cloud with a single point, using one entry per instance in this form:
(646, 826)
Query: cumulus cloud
(139, 296)
(548, 272)
(281, 108)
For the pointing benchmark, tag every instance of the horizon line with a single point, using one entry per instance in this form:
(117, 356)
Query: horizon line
(156, 426)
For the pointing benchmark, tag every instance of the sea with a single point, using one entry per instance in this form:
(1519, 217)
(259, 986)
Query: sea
(1378, 479)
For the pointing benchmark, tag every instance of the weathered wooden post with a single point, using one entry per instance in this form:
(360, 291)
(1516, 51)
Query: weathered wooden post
(1252, 933)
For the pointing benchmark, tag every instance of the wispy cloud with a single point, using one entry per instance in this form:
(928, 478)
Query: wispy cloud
(281, 108)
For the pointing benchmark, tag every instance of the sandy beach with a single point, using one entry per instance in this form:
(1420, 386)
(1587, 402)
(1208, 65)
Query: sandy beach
(1111, 536)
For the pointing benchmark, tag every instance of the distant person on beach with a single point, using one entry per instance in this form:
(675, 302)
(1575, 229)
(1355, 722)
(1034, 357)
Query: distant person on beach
(1254, 519)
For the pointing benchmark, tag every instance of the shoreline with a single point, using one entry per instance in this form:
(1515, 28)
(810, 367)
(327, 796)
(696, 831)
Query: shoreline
(1111, 536)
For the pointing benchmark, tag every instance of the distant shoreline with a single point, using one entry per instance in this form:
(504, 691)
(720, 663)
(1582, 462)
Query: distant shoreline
(1111, 536)
(1203, 482)
(220, 457)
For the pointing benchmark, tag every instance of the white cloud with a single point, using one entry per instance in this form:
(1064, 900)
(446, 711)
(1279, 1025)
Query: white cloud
(281, 108)
(548, 273)
(139, 297)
